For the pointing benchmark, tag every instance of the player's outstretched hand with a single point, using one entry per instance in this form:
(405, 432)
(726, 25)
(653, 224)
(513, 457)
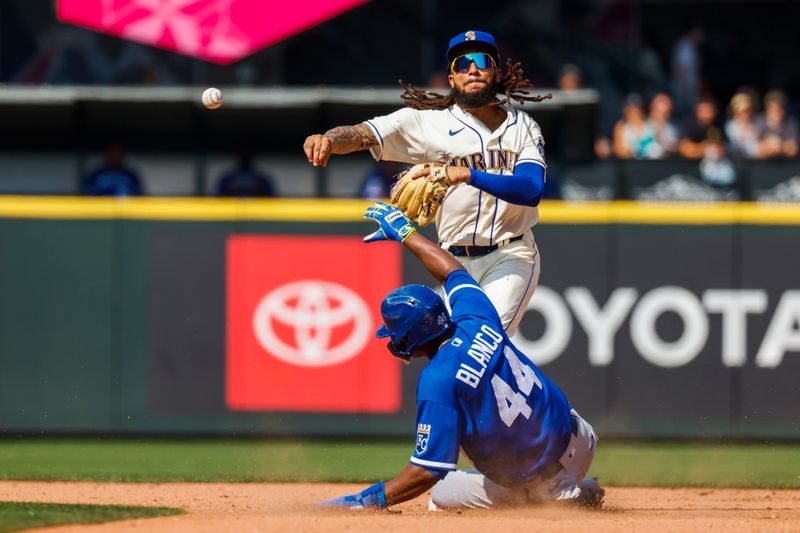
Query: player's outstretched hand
(393, 223)
(317, 149)
(373, 497)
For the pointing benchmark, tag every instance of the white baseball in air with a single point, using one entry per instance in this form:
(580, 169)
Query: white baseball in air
(212, 98)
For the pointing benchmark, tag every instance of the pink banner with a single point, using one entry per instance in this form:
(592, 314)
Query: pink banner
(221, 31)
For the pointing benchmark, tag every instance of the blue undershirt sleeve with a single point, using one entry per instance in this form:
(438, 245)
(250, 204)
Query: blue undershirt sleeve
(523, 187)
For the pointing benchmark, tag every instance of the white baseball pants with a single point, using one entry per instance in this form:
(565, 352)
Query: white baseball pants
(471, 489)
(508, 275)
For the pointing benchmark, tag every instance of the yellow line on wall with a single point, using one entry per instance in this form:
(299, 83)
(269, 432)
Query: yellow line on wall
(629, 212)
(298, 210)
(191, 209)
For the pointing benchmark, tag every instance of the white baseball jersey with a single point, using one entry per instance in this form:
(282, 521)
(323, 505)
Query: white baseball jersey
(468, 215)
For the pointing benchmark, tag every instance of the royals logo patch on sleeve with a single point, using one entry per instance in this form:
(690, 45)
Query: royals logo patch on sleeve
(423, 435)
(540, 146)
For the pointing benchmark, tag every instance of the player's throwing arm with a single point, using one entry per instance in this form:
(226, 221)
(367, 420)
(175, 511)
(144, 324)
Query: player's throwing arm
(340, 140)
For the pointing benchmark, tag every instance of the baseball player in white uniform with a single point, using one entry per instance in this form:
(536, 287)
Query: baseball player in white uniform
(495, 159)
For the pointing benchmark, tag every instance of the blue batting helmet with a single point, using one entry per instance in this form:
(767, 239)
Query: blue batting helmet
(412, 315)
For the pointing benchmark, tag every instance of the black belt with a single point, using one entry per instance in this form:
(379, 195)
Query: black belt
(477, 251)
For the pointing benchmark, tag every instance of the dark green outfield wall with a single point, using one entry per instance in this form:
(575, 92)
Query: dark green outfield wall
(118, 326)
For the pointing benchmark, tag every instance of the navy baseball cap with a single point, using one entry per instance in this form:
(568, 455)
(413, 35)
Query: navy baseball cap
(474, 39)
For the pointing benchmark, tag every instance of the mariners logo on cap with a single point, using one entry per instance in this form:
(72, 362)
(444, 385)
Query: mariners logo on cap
(423, 435)
(470, 35)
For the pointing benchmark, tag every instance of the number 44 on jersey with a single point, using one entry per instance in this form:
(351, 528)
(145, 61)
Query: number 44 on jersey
(511, 404)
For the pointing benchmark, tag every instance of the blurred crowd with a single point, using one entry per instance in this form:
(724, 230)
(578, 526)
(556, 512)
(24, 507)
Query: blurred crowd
(748, 126)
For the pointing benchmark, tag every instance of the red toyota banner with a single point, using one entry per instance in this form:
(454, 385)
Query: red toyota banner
(301, 317)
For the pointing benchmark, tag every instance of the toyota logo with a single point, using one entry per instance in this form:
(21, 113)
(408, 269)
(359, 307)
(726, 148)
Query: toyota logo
(311, 310)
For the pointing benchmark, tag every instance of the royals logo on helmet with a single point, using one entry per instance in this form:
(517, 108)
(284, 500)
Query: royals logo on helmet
(423, 434)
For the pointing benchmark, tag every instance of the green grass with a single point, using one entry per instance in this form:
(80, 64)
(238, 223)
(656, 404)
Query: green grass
(686, 464)
(24, 515)
(654, 464)
(200, 460)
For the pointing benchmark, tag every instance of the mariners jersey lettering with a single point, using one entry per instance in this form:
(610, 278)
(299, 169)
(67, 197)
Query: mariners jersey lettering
(468, 215)
(480, 393)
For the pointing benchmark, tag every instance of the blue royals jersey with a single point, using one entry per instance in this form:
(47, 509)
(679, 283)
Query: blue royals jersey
(480, 393)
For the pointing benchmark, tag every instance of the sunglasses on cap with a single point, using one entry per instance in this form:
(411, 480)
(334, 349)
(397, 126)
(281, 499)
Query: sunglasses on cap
(481, 60)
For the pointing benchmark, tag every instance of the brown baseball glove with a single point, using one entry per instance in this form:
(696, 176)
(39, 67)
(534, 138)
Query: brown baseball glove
(419, 199)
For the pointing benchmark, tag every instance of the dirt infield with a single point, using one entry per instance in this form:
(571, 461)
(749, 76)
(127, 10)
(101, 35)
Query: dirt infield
(286, 507)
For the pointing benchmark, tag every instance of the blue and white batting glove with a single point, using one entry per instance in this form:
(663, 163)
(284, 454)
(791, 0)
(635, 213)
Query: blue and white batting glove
(372, 497)
(393, 223)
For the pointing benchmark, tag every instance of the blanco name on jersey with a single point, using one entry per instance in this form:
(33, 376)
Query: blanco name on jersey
(468, 216)
(483, 348)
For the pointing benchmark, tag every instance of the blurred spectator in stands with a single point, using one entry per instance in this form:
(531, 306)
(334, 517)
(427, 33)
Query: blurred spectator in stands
(602, 147)
(686, 67)
(649, 63)
(378, 183)
(570, 78)
(741, 127)
(244, 181)
(113, 178)
(716, 169)
(696, 130)
(632, 134)
(660, 119)
(777, 132)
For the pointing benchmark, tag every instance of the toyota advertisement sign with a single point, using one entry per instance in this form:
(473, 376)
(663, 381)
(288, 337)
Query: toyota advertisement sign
(301, 318)
(650, 330)
(600, 323)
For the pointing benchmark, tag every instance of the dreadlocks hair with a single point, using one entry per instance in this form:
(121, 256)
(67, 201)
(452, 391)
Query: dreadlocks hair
(512, 86)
